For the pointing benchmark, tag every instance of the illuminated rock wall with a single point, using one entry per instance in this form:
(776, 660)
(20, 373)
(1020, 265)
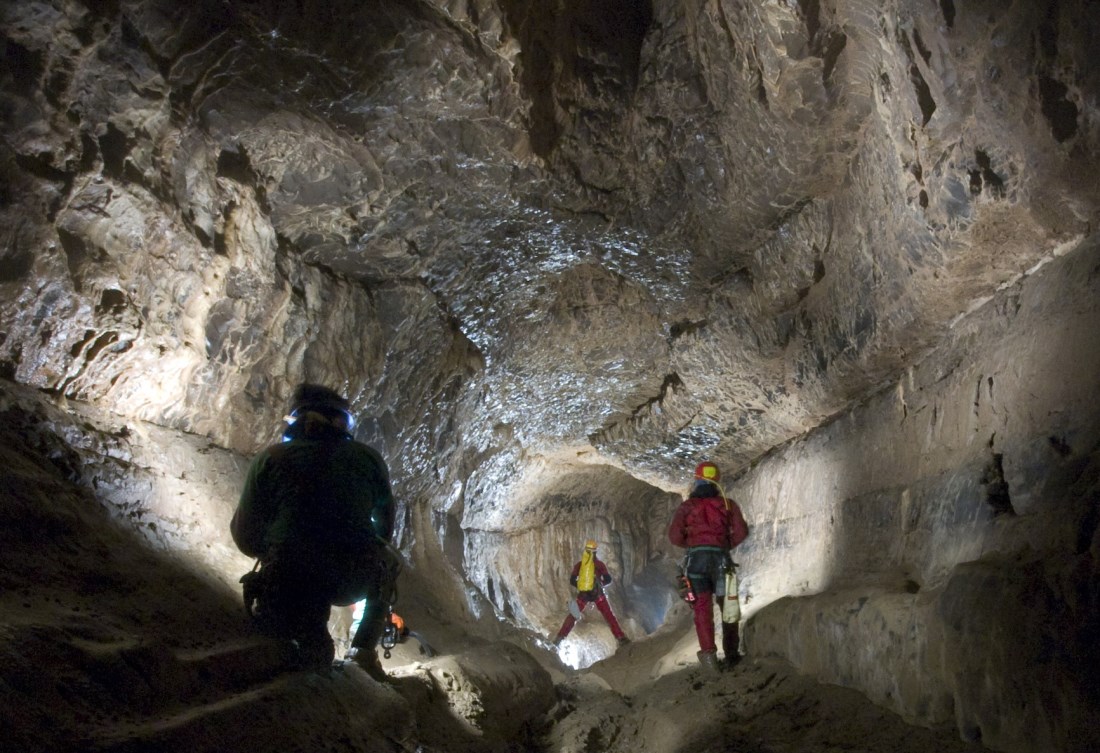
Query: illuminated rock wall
(944, 535)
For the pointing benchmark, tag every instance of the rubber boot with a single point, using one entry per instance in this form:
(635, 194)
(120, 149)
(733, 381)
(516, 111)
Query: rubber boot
(708, 660)
(731, 644)
(315, 652)
(367, 660)
(365, 642)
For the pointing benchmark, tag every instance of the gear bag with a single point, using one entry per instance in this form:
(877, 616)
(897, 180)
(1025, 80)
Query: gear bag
(731, 605)
(254, 583)
(586, 577)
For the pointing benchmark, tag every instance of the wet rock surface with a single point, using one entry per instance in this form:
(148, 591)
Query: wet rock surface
(671, 232)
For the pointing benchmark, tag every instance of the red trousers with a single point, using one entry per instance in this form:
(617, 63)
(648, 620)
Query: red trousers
(605, 609)
(704, 626)
(704, 620)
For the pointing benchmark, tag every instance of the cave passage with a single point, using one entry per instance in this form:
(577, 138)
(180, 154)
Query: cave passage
(554, 255)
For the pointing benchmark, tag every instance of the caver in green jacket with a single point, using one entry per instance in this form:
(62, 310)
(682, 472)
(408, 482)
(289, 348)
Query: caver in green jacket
(319, 489)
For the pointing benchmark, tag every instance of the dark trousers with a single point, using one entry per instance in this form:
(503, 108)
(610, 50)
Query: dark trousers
(300, 587)
(373, 623)
(706, 569)
(293, 609)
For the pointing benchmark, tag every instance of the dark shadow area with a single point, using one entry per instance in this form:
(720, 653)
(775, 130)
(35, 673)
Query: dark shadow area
(594, 46)
(99, 629)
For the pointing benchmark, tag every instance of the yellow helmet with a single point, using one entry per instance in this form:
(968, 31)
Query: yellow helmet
(707, 471)
(590, 545)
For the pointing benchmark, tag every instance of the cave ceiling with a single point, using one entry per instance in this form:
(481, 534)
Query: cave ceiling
(641, 232)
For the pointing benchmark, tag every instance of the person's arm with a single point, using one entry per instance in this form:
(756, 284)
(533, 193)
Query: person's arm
(251, 518)
(382, 517)
(383, 510)
(602, 575)
(575, 574)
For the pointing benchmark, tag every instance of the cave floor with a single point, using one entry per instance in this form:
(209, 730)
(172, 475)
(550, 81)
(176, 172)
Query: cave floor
(651, 696)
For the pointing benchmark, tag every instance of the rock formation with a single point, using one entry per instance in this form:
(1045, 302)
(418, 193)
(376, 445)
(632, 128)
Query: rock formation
(556, 253)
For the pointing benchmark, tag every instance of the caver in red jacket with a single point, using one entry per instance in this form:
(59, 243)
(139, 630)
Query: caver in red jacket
(708, 525)
(709, 520)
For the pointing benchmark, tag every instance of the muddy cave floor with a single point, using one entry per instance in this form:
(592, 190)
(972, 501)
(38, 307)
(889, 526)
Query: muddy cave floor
(106, 645)
(651, 696)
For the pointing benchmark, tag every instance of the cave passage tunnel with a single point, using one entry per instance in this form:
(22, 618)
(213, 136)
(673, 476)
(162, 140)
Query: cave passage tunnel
(554, 255)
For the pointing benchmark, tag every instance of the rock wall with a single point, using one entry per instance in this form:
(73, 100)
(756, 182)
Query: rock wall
(658, 231)
(158, 219)
(938, 547)
(175, 492)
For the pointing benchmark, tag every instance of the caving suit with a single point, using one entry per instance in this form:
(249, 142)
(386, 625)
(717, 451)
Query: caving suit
(316, 510)
(708, 525)
(594, 596)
